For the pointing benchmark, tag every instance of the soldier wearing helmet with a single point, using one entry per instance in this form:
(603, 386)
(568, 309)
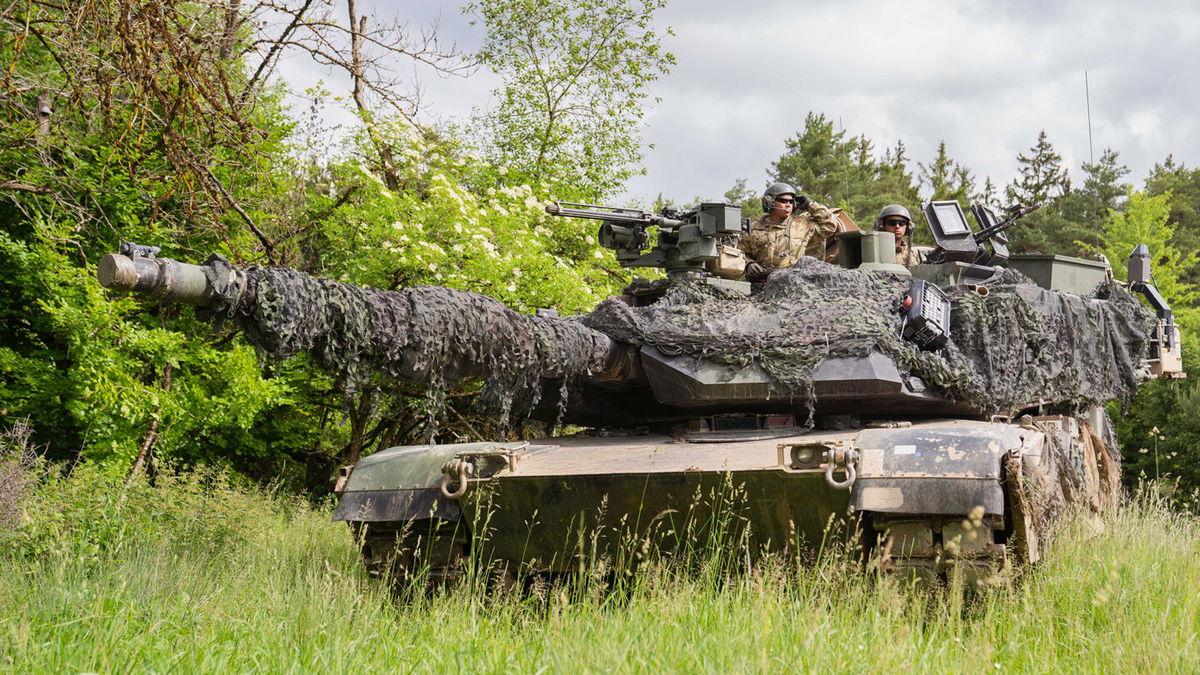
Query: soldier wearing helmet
(895, 218)
(792, 226)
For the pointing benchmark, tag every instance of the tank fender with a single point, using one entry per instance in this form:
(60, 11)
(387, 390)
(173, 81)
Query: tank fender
(401, 484)
(946, 469)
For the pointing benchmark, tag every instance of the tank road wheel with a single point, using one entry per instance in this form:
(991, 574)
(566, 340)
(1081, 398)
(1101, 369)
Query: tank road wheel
(934, 550)
(432, 550)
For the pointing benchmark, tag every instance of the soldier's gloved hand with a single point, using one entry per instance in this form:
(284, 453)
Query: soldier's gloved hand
(802, 203)
(756, 272)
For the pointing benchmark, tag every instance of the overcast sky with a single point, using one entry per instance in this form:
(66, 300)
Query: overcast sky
(985, 77)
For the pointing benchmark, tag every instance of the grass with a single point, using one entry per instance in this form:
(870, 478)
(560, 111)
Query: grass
(202, 575)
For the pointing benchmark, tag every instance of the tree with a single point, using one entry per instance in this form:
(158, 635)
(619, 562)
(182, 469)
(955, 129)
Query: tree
(165, 130)
(1042, 180)
(1084, 211)
(744, 197)
(845, 172)
(1042, 176)
(988, 194)
(1184, 185)
(1160, 430)
(817, 161)
(946, 178)
(573, 96)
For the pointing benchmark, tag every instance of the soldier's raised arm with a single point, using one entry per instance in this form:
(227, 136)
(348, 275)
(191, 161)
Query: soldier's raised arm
(825, 224)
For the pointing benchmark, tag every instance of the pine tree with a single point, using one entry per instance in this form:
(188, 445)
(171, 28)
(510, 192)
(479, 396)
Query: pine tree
(817, 161)
(1043, 180)
(744, 197)
(988, 194)
(1086, 209)
(1042, 175)
(946, 178)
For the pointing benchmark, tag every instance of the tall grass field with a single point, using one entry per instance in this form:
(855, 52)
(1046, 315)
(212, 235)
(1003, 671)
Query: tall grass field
(201, 574)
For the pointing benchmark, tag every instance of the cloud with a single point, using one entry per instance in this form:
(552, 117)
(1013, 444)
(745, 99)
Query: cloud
(984, 76)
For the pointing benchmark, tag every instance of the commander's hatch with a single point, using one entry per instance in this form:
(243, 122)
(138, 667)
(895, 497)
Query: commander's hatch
(951, 232)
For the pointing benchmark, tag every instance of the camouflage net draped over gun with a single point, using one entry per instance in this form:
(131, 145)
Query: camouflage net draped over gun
(428, 334)
(1016, 346)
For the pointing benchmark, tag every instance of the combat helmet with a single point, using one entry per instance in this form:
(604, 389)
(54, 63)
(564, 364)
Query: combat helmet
(774, 191)
(894, 210)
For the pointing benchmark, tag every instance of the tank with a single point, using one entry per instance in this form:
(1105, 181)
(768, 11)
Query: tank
(947, 414)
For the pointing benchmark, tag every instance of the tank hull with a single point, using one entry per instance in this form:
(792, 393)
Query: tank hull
(557, 504)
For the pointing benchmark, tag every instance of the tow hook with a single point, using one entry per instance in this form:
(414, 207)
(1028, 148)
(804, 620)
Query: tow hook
(474, 466)
(842, 459)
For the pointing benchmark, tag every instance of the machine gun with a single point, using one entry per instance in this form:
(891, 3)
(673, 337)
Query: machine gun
(686, 239)
(993, 228)
(956, 242)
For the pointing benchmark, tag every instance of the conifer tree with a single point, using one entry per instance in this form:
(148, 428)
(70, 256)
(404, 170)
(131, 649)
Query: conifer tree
(946, 178)
(817, 160)
(1043, 180)
(1042, 177)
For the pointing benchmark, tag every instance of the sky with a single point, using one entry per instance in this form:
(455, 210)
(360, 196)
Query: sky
(985, 77)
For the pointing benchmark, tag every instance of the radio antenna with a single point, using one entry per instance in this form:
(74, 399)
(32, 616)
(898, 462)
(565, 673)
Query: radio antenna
(1087, 97)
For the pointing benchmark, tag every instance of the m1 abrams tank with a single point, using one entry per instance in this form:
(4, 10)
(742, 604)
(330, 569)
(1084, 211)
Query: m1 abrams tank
(949, 412)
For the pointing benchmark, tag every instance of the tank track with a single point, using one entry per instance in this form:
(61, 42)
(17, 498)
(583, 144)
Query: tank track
(933, 551)
(432, 549)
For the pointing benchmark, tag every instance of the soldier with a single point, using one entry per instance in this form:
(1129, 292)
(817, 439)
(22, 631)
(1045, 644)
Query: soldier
(894, 218)
(793, 226)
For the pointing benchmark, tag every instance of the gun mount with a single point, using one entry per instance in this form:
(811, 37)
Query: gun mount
(686, 239)
(957, 243)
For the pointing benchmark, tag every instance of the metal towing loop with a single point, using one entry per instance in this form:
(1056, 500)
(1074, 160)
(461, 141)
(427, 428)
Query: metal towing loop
(473, 466)
(456, 472)
(844, 459)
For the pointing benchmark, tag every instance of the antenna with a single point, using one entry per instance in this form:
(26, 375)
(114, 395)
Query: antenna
(1087, 97)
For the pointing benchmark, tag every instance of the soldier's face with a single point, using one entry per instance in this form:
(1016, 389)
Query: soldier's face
(896, 226)
(783, 205)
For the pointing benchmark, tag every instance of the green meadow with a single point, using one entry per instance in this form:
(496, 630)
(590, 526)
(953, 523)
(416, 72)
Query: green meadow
(204, 574)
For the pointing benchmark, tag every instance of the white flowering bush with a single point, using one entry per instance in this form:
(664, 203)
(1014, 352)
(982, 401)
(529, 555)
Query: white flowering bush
(456, 223)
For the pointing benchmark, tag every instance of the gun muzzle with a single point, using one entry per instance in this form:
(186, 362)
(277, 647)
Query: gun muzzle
(161, 278)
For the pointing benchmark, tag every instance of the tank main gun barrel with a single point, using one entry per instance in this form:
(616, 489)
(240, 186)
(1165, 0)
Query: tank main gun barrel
(138, 269)
(423, 334)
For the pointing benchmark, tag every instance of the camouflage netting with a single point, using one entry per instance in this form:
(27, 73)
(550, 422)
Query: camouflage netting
(427, 334)
(1016, 346)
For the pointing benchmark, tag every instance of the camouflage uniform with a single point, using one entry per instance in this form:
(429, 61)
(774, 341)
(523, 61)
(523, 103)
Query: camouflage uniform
(776, 245)
(906, 254)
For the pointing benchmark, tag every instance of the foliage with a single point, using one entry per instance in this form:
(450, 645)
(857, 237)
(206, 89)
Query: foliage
(163, 133)
(1045, 181)
(220, 577)
(1160, 430)
(845, 172)
(1184, 185)
(574, 74)
(947, 179)
(1145, 220)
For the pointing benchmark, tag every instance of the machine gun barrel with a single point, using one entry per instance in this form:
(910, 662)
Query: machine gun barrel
(991, 231)
(611, 214)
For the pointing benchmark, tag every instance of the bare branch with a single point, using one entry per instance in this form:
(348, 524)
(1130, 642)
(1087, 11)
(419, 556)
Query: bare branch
(267, 245)
(24, 187)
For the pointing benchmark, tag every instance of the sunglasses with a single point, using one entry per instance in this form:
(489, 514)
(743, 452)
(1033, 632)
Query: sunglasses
(781, 200)
(895, 223)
